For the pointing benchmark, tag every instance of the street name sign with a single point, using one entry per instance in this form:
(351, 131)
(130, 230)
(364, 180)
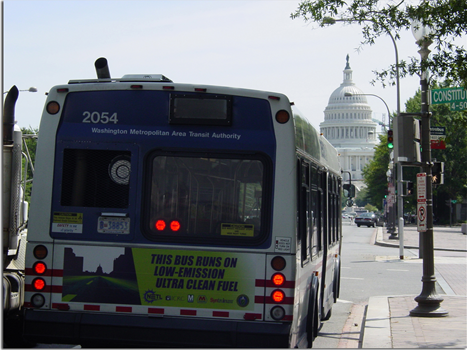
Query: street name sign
(456, 97)
(421, 202)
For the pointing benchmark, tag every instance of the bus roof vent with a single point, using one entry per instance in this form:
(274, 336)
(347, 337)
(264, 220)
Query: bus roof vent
(145, 77)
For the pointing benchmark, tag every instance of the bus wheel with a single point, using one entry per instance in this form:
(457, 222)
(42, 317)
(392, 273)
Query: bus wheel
(313, 319)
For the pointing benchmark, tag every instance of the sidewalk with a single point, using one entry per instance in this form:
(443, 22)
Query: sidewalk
(444, 238)
(388, 323)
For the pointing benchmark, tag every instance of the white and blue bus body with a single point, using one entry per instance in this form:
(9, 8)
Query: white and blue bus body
(180, 215)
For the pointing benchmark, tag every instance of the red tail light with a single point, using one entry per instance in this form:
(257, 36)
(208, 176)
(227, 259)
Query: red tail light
(40, 268)
(278, 279)
(175, 225)
(38, 284)
(160, 225)
(278, 296)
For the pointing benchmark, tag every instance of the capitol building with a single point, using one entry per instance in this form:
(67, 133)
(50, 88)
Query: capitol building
(349, 127)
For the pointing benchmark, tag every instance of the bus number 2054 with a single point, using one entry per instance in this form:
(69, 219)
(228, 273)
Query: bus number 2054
(96, 117)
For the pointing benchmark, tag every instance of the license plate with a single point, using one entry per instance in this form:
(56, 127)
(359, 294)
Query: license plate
(113, 225)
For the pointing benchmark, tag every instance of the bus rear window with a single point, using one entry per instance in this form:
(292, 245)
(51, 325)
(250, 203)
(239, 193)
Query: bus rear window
(206, 198)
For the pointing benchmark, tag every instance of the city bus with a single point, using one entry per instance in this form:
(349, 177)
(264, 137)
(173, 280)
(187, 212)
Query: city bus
(172, 214)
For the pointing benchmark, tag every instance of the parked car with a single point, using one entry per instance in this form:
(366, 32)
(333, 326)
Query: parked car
(368, 219)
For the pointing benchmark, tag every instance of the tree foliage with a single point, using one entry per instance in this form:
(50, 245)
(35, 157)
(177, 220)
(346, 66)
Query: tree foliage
(374, 173)
(454, 156)
(447, 18)
(30, 139)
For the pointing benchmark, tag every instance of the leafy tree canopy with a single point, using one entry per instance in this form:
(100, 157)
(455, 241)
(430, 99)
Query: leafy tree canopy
(374, 173)
(447, 18)
(455, 154)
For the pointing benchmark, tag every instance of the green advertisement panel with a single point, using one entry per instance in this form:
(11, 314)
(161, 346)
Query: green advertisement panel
(160, 277)
(200, 279)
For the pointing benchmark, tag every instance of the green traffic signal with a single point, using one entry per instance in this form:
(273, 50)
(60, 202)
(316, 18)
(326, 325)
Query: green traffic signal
(390, 139)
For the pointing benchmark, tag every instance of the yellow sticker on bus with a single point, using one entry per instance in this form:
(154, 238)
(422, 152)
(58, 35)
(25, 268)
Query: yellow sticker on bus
(243, 230)
(68, 218)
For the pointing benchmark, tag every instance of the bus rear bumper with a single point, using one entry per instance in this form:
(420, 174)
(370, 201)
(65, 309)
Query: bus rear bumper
(95, 330)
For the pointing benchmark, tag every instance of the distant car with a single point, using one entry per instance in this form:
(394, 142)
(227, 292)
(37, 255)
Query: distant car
(368, 219)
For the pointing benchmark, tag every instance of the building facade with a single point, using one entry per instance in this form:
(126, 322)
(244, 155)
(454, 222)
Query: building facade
(349, 127)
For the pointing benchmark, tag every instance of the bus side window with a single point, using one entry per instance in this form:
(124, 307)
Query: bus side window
(322, 227)
(304, 211)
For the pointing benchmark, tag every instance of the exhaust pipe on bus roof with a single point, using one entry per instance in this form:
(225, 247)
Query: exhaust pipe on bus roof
(9, 115)
(102, 69)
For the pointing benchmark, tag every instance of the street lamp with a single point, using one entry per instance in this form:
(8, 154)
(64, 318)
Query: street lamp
(31, 89)
(330, 20)
(400, 206)
(391, 219)
(429, 302)
(349, 94)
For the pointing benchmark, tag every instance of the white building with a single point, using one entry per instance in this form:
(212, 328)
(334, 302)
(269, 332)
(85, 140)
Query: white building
(349, 127)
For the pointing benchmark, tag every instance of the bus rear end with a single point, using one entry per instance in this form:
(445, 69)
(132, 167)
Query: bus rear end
(153, 219)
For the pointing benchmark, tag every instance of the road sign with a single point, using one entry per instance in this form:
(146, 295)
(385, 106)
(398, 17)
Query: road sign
(421, 217)
(456, 97)
(438, 137)
(421, 202)
(421, 187)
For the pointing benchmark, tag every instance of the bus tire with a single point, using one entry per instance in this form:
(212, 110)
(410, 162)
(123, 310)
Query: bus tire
(313, 317)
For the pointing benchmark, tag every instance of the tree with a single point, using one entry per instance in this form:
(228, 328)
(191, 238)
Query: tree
(29, 151)
(454, 156)
(447, 17)
(374, 173)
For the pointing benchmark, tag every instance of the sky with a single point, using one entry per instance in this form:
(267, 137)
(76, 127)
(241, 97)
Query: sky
(250, 44)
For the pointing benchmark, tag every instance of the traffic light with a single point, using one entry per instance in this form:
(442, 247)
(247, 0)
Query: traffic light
(407, 139)
(437, 173)
(390, 139)
(350, 190)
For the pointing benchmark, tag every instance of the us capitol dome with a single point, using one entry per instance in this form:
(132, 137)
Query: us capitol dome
(349, 127)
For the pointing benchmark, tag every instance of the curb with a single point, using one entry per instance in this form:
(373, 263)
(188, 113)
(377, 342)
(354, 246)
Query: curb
(377, 328)
(380, 241)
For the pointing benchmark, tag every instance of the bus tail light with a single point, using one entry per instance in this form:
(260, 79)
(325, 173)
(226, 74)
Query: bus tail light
(278, 296)
(278, 279)
(40, 252)
(53, 107)
(39, 268)
(38, 284)
(282, 116)
(278, 263)
(160, 225)
(37, 300)
(175, 225)
(277, 313)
